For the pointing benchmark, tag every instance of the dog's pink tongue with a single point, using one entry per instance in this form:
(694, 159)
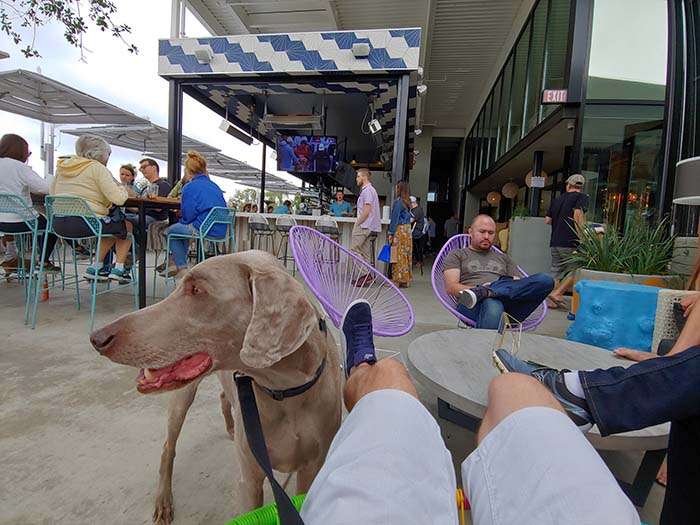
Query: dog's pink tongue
(182, 370)
(192, 366)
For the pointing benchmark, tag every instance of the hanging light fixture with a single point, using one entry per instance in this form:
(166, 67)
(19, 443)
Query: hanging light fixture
(493, 198)
(510, 190)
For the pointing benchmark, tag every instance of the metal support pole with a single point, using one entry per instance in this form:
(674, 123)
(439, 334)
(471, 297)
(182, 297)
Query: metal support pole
(538, 158)
(174, 132)
(398, 165)
(262, 179)
(175, 16)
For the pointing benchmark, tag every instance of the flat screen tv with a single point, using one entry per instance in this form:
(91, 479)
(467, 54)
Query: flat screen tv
(306, 153)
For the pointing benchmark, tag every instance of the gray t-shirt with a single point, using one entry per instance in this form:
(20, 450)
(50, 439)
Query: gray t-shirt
(480, 267)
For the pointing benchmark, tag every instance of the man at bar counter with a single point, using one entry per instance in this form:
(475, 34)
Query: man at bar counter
(368, 222)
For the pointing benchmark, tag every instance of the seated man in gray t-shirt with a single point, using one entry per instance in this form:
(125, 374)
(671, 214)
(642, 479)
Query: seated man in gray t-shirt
(488, 283)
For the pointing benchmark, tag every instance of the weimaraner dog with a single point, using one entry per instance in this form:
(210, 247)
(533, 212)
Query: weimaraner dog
(239, 312)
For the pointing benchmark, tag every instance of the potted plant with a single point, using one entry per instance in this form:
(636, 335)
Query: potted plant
(642, 255)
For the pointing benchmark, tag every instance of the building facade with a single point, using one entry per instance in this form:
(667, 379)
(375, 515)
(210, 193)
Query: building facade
(605, 88)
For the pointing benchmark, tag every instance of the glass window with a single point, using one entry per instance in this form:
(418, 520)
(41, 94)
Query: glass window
(534, 75)
(488, 133)
(503, 145)
(470, 164)
(556, 49)
(622, 161)
(628, 50)
(495, 121)
(477, 147)
(517, 99)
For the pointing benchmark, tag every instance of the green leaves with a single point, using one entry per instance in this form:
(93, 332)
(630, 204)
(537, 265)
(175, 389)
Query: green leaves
(642, 250)
(34, 14)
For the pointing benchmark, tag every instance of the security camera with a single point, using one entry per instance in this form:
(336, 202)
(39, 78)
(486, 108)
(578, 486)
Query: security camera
(375, 126)
(422, 89)
(418, 131)
(570, 126)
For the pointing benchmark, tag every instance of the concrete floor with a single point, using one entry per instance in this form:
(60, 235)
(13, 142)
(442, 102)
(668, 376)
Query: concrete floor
(80, 445)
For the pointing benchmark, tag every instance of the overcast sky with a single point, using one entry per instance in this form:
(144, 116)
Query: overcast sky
(629, 40)
(129, 81)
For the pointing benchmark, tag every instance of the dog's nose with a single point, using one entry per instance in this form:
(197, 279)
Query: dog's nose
(102, 339)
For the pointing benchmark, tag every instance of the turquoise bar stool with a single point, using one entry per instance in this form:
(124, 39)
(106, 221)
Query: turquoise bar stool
(217, 215)
(27, 241)
(68, 206)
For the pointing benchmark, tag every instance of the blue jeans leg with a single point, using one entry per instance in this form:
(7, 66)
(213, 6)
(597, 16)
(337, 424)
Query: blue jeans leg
(521, 297)
(649, 393)
(487, 314)
(180, 247)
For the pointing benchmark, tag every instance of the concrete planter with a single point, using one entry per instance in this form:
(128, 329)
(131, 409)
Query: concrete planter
(528, 244)
(685, 251)
(660, 281)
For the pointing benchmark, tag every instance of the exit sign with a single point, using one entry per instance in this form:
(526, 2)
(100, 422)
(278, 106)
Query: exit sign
(554, 96)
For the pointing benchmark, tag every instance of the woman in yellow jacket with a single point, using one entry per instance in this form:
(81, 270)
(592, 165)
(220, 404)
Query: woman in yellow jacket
(85, 175)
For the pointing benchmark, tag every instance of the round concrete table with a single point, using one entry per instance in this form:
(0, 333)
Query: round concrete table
(456, 366)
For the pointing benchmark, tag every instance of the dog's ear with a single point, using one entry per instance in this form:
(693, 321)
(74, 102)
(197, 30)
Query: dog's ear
(282, 319)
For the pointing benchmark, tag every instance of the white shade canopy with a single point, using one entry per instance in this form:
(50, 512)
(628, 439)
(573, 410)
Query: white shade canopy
(152, 141)
(35, 96)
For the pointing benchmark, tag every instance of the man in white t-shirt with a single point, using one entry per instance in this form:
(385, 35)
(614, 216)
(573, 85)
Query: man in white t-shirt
(19, 179)
(368, 221)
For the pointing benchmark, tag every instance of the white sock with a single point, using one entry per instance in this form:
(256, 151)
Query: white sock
(573, 383)
(119, 266)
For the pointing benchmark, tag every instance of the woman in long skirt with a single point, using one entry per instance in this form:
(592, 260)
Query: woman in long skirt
(400, 237)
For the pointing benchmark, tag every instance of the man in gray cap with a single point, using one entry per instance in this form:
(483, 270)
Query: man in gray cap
(564, 213)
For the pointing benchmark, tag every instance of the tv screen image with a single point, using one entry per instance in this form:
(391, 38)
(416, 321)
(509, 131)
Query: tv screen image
(306, 153)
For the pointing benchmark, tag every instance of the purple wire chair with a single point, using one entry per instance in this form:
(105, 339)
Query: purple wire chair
(449, 302)
(330, 272)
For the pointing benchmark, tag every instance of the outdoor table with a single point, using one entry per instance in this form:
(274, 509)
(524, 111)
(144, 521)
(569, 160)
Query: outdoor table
(159, 203)
(456, 366)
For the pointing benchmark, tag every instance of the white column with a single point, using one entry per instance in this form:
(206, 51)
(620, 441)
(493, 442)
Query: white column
(175, 18)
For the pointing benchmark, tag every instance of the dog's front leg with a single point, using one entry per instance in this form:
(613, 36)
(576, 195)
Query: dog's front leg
(228, 400)
(250, 485)
(180, 403)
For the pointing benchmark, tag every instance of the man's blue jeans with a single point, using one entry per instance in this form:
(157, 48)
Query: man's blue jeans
(180, 247)
(517, 297)
(650, 393)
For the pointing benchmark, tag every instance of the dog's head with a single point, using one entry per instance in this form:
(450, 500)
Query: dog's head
(235, 312)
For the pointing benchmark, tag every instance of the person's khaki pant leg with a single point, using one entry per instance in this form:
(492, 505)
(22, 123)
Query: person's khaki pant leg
(360, 243)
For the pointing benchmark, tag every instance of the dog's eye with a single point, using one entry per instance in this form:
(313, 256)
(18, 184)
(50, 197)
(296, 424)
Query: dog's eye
(196, 290)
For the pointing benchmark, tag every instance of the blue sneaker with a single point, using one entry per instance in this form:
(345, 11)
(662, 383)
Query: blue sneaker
(92, 273)
(120, 275)
(576, 407)
(356, 336)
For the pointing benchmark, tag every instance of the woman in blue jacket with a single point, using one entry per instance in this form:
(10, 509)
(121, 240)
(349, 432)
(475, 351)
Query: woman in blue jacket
(400, 237)
(199, 196)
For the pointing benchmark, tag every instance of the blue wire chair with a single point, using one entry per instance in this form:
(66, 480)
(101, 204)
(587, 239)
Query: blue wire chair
(14, 204)
(68, 206)
(217, 215)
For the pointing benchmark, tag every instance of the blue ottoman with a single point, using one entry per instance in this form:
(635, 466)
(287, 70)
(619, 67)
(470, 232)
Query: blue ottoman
(613, 314)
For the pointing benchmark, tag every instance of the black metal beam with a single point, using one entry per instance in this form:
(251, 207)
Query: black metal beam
(537, 162)
(262, 179)
(174, 131)
(398, 164)
(577, 71)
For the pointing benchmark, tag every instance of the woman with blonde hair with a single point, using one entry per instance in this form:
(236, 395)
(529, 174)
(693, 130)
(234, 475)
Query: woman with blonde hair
(85, 175)
(400, 236)
(199, 196)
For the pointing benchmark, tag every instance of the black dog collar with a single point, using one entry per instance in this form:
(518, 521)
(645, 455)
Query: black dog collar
(279, 395)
